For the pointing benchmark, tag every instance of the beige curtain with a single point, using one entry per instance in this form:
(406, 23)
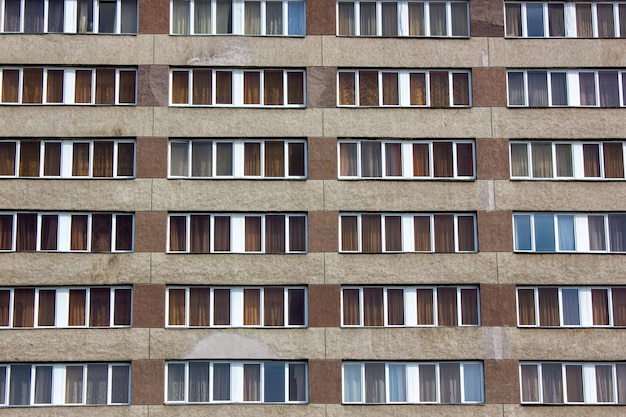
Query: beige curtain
(76, 316)
(274, 159)
(373, 307)
(99, 307)
(443, 166)
(29, 158)
(80, 160)
(199, 306)
(346, 18)
(393, 159)
(390, 88)
(251, 307)
(273, 306)
(421, 166)
(102, 159)
(199, 233)
(253, 234)
(252, 87)
(422, 233)
(82, 89)
(526, 305)
(389, 19)
(127, 83)
(202, 79)
(10, 86)
(395, 307)
(5, 298)
(105, 86)
(78, 238)
(52, 159)
(530, 383)
(446, 306)
(223, 87)
(368, 18)
(351, 314)
(74, 384)
(346, 88)
(180, 87)
(416, 19)
(7, 158)
(273, 88)
(425, 307)
(371, 239)
(24, 307)
(221, 306)
(252, 159)
(251, 382)
(542, 159)
(176, 307)
(349, 234)
(347, 159)
(274, 233)
(444, 233)
(519, 160)
(368, 88)
(252, 18)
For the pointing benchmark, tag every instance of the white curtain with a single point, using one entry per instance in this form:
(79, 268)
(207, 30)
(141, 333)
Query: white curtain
(198, 382)
(180, 18)
(175, 382)
(352, 383)
(97, 384)
(566, 232)
(472, 382)
(397, 383)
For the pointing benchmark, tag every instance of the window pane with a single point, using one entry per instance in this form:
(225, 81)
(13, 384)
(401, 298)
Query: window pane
(119, 384)
(273, 18)
(176, 307)
(7, 158)
(544, 233)
(202, 17)
(274, 234)
(613, 160)
(252, 22)
(534, 14)
(516, 88)
(418, 89)
(371, 159)
(297, 382)
(273, 86)
(29, 158)
(416, 19)
(78, 238)
(446, 306)
(178, 233)
(460, 89)
(32, 89)
(127, 87)
(459, 19)
(549, 307)
(397, 383)
(425, 307)
(437, 18)
(123, 307)
(252, 87)
(106, 16)
(296, 307)
(200, 233)
(295, 88)
(274, 380)
(368, 18)
(97, 384)
(77, 307)
(371, 239)
(199, 307)
(519, 160)
(346, 19)
(74, 385)
(395, 307)
(466, 234)
(275, 159)
(564, 164)
(346, 88)
(43, 385)
(180, 17)
(559, 88)
(347, 159)
(273, 307)
(390, 87)
(175, 382)
(180, 87)
(222, 234)
(80, 160)
(526, 306)
(373, 307)
(574, 381)
(556, 19)
(393, 233)
(469, 306)
(102, 159)
(349, 233)
(368, 87)
(129, 18)
(198, 382)
(389, 19)
(427, 383)
(224, 159)
(19, 387)
(606, 25)
(201, 158)
(24, 307)
(571, 311)
(52, 159)
(587, 86)
(6, 232)
(296, 16)
(591, 157)
(10, 81)
(513, 19)
(450, 383)
(297, 233)
(221, 381)
(443, 166)
(530, 383)
(296, 159)
(608, 85)
(251, 382)
(619, 306)
(374, 383)
(552, 383)
(26, 232)
(566, 232)
(472, 382)
(101, 232)
(224, 19)
(12, 16)
(46, 314)
(621, 383)
(221, 307)
(464, 160)
(617, 232)
(421, 165)
(352, 383)
(444, 233)
(351, 313)
(604, 383)
(622, 20)
(537, 88)
(223, 86)
(251, 307)
(82, 89)
(99, 307)
(439, 87)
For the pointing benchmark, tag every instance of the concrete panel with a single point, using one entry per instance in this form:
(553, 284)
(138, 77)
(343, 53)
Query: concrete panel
(75, 121)
(23, 269)
(511, 410)
(73, 411)
(560, 195)
(412, 196)
(222, 122)
(238, 51)
(77, 49)
(410, 268)
(238, 195)
(241, 410)
(237, 344)
(557, 53)
(404, 52)
(76, 195)
(408, 123)
(561, 269)
(414, 410)
(225, 269)
(557, 123)
(76, 345)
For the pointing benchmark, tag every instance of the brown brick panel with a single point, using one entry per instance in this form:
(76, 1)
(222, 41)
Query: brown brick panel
(149, 306)
(497, 305)
(487, 18)
(495, 231)
(151, 157)
(320, 17)
(321, 86)
(489, 87)
(502, 382)
(325, 381)
(322, 158)
(492, 159)
(323, 231)
(150, 231)
(324, 305)
(153, 85)
(147, 382)
(154, 16)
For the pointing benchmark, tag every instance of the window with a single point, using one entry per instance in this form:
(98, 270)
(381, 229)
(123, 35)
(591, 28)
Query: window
(248, 17)
(66, 232)
(570, 232)
(237, 87)
(413, 382)
(402, 18)
(65, 307)
(236, 382)
(565, 19)
(573, 383)
(67, 16)
(406, 159)
(407, 232)
(237, 233)
(410, 306)
(81, 86)
(64, 384)
(567, 160)
(237, 307)
(571, 306)
(566, 88)
(67, 158)
(403, 88)
(251, 158)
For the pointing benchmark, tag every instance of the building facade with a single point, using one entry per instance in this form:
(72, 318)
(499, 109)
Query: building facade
(310, 208)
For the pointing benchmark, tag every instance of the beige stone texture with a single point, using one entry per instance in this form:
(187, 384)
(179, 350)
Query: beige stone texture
(75, 345)
(411, 196)
(410, 268)
(249, 122)
(494, 410)
(74, 268)
(97, 411)
(242, 410)
(557, 123)
(76, 195)
(238, 51)
(561, 269)
(557, 53)
(81, 50)
(237, 344)
(237, 269)
(345, 52)
(76, 121)
(515, 410)
(408, 123)
(560, 195)
(237, 195)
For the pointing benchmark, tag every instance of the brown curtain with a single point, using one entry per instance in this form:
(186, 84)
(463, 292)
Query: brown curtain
(351, 312)
(78, 238)
(274, 159)
(574, 381)
(253, 234)
(346, 87)
(427, 382)
(393, 233)
(604, 384)
(600, 307)
(469, 306)
(548, 307)
(295, 88)
(10, 86)
(464, 160)
(103, 159)
(252, 158)
(373, 307)
(371, 233)
(54, 86)
(99, 307)
(273, 306)
(82, 90)
(368, 88)
(7, 158)
(80, 160)
(178, 233)
(123, 232)
(526, 304)
(606, 22)
(105, 86)
(442, 160)
(591, 157)
(199, 233)
(446, 306)
(444, 233)
(273, 88)
(202, 79)
(348, 159)
(24, 307)
(122, 306)
(101, 227)
(297, 233)
(613, 160)
(52, 159)
(421, 166)
(346, 18)
(5, 299)
(393, 159)
(620, 370)
(416, 19)
(274, 233)
(221, 239)
(26, 232)
(223, 87)
(127, 88)
(251, 307)
(32, 85)
(619, 306)
(252, 18)
(221, 306)
(425, 307)
(251, 382)
(296, 310)
(466, 233)
(460, 89)
(6, 232)
(199, 306)
(126, 159)
(584, 24)
(176, 307)
(29, 158)
(395, 307)
(252, 87)
(180, 87)
(76, 314)
(49, 231)
(47, 301)
(390, 85)
(530, 383)
(422, 233)
(389, 19)
(556, 19)
(439, 89)
(349, 234)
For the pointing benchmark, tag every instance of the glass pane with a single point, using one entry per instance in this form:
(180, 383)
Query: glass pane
(526, 307)
(447, 313)
(221, 234)
(389, 19)
(199, 382)
(221, 382)
(373, 307)
(544, 233)
(606, 23)
(425, 307)
(33, 16)
(180, 17)
(32, 88)
(273, 18)
(442, 160)
(52, 159)
(566, 232)
(516, 89)
(120, 376)
(252, 87)
(106, 16)
(82, 93)
(530, 383)
(390, 89)
(24, 307)
(548, 307)
(571, 309)
(460, 89)
(368, 88)
(556, 19)
(427, 383)
(519, 160)
(274, 379)
(534, 22)
(346, 19)
(368, 19)
(223, 87)
(469, 306)
(10, 84)
(202, 17)
(542, 159)
(297, 233)
(559, 88)
(224, 159)
(437, 18)
(202, 86)
(587, 86)
(393, 159)
(296, 307)
(273, 306)
(352, 383)
(349, 234)
(552, 383)
(418, 89)
(296, 159)
(609, 88)
(252, 382)
(591, 160)
(297, 382)
(395, 307)
(97, 384)
(564, 164)
(613, 159)
(12, 15)
(617, 232)
(351, 312)
(444, 233)
(296, 16)
(252, 22)
(29, 158)
(103, 159)
(221, 307)
(574, 381)
(129, 16)
(251, 307)
(180, 87)
(522, 232)
(176, 382)
(99, 307)
(450, 383)
(472, 382)
(347, 159)
(439, 89)
(604, 383)
(371, 159)
(397, 383)
(7, 158)
(201, 158)
(416, 19)
(371, 238)
(47, 303)
(374, 383)
(295, 87)
(19, 387)
(584, 23)
(224, 20)
(123, 307)
(346, 88)
(600, 303)
(459, 19)
(537, 89)
(513, 14)
(274, 159)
